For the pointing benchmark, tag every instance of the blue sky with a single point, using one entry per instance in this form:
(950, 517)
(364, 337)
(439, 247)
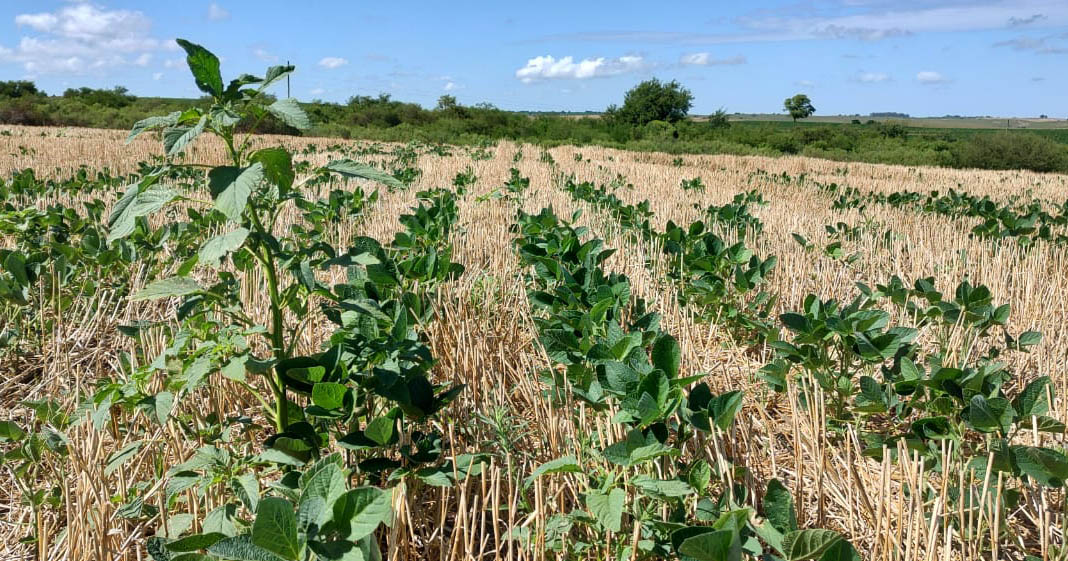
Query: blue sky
(923, 57)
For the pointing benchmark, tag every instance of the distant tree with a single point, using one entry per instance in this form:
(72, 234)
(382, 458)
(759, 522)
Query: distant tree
(652, 100)
(115, 98)
(718, 120)
(447, 103)
(1043, 116)
(18, 88)
(799, 107)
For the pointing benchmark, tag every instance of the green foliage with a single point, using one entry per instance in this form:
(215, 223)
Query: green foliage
(18, 88)
(1007, 150)
(652, 100)
(799, 107)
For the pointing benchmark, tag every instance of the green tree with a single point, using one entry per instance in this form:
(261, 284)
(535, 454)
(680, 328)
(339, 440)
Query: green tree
(799, 107)
(652, 100)
(18, 88)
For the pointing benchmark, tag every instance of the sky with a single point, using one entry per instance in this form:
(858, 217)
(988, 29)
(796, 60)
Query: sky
(922, 57)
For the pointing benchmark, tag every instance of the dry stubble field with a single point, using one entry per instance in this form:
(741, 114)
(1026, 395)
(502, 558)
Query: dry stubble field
(484, 338)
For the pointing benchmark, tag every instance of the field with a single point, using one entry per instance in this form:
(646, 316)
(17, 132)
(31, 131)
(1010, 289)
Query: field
(925, 122)
(917, 424)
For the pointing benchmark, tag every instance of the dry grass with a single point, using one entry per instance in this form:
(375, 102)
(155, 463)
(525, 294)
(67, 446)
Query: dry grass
(485, 339)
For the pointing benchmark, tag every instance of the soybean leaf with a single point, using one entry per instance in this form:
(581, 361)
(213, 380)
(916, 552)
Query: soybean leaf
(242, 548)
(566, 464)
(195, 542)
(349, 168)
(204, 66)
(216, 248)
(1046, 466)
(607, 507)
(358, 512)
(247, 488)
(709, 546)
(275, 528)
(666, 355)
(779, 507)
(10, 432)
(120, 457)
(289, 112)
(329, 395)
(1033, 400)
(165, 288)
(808, 544)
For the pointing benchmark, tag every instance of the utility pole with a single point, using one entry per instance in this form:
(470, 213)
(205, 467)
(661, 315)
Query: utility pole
(287, 82)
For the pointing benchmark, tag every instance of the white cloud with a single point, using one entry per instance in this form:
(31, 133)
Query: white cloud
(143, 60)
(157, 76)
(705, 59)
(450, 86)
(264, 55)
(872, 77)
(930, 77)
(317, 91)
(81, 38)
(174, 63)
(806, 83)
(332, 62)
(547, 67)
(217, 12)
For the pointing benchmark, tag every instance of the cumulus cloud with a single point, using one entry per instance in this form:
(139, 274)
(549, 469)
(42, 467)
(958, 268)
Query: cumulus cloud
(872, 77)
(806, 83)
(332, 62)
(450, 86)
(264, 55)
(217, 12)
(547, 67)
(81, 38)
(706, 59)
(930, 77)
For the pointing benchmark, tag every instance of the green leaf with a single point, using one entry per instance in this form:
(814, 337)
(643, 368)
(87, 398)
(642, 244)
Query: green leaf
(607, 507)
(358, 512)
(164, 403)
(1029, 339)
(10, 432)
(216, 248)
(152, 123)
(808, 544)
(135, 204)
(119, 457)
(329, 395)
(566, 464)
(233, 199)
(247, 488)
(289, 112)
(709, 546)
(165, 288)
(699, 476)
(380, 430)
(195, 542)
(1033, 400)
(1046, 466)
(349, 168)
(779, 507)
(666, 355)
(175, 139)
(242, 548)
(277, 167)
(724, 407)
(275, 528)
(204, 66)
(841, 551)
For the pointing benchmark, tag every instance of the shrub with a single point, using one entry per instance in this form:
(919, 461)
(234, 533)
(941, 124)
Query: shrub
(1011, 150)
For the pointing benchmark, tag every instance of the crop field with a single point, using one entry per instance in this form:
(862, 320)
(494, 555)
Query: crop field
(279, 348)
